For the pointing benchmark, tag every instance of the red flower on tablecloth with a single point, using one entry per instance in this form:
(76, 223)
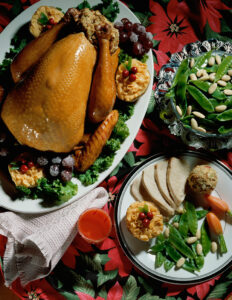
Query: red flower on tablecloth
(37, 290)
(171, 28)
(112, 186)
(69, 257)
(83, 296)
(162, 59)
(209, 12)
(115, 293)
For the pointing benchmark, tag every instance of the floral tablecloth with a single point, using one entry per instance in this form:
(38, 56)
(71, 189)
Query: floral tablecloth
(89, 272)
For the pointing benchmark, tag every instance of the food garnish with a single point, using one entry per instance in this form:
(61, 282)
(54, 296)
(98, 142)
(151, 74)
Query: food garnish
(204, 84)
(192, 232)
(144, 220)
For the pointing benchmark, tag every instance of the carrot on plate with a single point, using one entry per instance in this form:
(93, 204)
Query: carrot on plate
(217, 204)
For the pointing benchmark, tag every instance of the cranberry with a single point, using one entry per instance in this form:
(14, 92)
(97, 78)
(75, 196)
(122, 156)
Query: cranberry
(149, 215)
(134, 70)
(132, 77)
(51, 21)
(142, 216)
(24, 168)
(146, 222)
(30, 164)
(23, 161)
(125, 73)
(48, 26)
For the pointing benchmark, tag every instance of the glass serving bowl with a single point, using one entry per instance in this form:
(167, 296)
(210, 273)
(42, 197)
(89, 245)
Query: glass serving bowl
(167, 108)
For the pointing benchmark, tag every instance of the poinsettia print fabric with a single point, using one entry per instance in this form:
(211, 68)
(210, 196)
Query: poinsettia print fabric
(103, 272)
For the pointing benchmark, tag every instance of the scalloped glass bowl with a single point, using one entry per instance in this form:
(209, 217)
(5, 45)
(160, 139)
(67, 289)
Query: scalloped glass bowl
(167, 107)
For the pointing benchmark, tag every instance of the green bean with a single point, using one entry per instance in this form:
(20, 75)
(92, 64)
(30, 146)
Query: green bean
(205, 239)
(224, 130)
(212, 69)
(158, 247)
(228, 86)
(204, 86)
(215, 102)
(225, 116)
(181, 91)
(223, 68)
(189, 266)
(183, 225)
(172, 253)
(228, 102)
(178, 242)
(201, 213)
(192, 217)
(219, 95)
(159, 259)
(168, 265)
(176, 218)
(201, 99)
(199, 259)
(182, 69)
(160, 238)
(200, 61)
(208, 123)
(212, 116)
(222, 244)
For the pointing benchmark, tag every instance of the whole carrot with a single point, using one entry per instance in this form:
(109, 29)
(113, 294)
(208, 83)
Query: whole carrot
(218, 204)
(216, 228)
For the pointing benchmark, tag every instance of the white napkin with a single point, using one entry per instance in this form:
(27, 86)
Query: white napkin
(37, 242)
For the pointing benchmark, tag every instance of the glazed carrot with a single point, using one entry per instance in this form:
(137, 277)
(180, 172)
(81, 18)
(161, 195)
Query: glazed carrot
(217, 204)
(214, 223)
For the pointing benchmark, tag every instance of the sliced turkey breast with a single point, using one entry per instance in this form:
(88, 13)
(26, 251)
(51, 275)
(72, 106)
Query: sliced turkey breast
(138, 191)
(149, 183)
(161, 181)
(177, 174)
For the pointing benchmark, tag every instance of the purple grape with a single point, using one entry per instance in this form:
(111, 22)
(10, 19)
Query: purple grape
(123, 37)
(137, 49)
(128, 26)
(42, 161)
(142, 37)
(54, 170)
(66, 175)
(118, 25)
(4, 152)
(149, 36)
(68, 162)
(2, 137)
(56, 160)
(134, 37)
(147, 44)
(124, 20)
(135, 27)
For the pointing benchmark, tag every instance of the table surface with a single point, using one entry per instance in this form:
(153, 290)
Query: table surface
(88, 272)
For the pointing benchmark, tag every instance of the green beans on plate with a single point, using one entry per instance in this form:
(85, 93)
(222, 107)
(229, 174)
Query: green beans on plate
(202, 93)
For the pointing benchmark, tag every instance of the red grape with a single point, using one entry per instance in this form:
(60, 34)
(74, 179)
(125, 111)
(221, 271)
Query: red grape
(134, 70)
(146, 222)
(142, 216)
(119, 26)
(149, 215)
(125, 73)
(147, 44)
(136, 27)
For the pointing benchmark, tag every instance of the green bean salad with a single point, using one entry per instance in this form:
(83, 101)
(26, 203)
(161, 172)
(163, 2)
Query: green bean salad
(184, 244)
(202, 93)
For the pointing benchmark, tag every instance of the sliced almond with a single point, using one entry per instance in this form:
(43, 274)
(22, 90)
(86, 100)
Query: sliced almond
(200, 72)
(201, 129)
(198, 114)
(189, 110)
(212, 76)
(194, 124)
(221, 83)
(230, 72)
(193, 76)
(204, 77)
(218, 59)
(226, 77)
(179, 110)
(212, 88)
(227, 92)
(220, 108)
(211, 61)
(192, 62)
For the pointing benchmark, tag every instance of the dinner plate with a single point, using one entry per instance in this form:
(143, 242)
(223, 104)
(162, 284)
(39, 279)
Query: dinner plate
(34, 206)
(137, 251)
